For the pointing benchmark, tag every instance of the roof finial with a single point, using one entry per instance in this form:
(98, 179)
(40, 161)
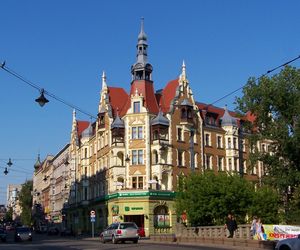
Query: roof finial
(183, 69)
(104, 85)
(74, 115)
(142, 35)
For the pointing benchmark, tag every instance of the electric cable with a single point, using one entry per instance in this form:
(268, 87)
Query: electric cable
(40, 89)
(258, 78)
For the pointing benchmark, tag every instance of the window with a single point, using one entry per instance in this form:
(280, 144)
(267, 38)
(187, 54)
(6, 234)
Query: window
(136, 107)
(219, 141)
(180, 158)
(140, 182)
(179, 134)
(134, 134)
(140, 156)
(140, 132)
(137, 157)
(137, 133)
(85, 153)
(234, 143)
(220, 163)
(189, 114)
(183, 113)
(235, 163)
(137, 182)
(208, 161)
(229, 164)
(229, 142)
(207, 140)
(263, 148)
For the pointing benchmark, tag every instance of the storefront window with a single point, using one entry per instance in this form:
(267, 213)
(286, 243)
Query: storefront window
(161, 217)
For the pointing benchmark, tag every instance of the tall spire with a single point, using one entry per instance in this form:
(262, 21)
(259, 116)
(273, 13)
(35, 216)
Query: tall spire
(141, 70)
(104, 85)
(142, 38)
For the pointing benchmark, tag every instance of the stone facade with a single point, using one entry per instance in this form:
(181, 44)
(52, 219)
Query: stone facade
(125, 165)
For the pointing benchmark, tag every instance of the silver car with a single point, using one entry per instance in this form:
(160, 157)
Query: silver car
(23, 233)
(120, 232)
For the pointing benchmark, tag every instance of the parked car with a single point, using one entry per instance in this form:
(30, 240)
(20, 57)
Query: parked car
(288, 244)
(23, 233)
(141, 232)
(120, 232)
(3, 235)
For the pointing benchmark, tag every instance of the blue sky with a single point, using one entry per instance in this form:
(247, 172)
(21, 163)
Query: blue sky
(64, 46)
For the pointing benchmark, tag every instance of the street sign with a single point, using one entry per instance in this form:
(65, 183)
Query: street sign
(93, 219)
(92, 213)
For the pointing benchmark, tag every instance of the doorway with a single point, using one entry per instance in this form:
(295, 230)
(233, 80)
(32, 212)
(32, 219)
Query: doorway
(137, 219)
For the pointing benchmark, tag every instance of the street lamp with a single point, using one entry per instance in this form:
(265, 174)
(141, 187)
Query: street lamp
(9, 163)
(5, 171)
(42, 100)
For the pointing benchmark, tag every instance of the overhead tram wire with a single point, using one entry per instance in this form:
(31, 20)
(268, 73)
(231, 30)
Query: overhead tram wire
(258, 78)
(40, 89)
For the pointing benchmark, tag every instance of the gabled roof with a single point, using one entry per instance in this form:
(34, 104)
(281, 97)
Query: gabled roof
(118, 99)
(168, 95)
(145, 88)
(81, 126)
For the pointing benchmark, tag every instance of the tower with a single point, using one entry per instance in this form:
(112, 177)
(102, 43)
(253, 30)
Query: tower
(142, 70)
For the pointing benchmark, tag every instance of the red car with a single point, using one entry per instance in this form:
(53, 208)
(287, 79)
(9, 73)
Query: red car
(141, 232)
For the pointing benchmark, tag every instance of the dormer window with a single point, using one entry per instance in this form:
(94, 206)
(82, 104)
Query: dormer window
(136, 107)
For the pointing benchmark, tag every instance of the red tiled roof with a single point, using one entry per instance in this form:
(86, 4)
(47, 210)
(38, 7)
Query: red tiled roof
(146, 89)
(168, 95)
(81, 126)
(118, 99)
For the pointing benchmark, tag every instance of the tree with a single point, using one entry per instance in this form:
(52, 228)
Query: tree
(208, 198)
(275, 103)
(265, 205)
(9, 214)
(25, 198)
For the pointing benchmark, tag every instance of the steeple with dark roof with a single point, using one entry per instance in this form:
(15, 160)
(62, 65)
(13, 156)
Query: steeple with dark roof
(141, 70)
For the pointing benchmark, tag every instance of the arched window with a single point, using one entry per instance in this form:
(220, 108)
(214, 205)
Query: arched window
(161, 217)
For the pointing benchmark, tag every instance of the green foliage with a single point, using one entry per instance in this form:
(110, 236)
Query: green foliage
(9, 214)
(25, 198)
(208, 198)
(275, 102)
(265, 205)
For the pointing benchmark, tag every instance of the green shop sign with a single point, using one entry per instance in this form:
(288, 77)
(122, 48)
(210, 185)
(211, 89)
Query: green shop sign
(133, 208)
(164, 194)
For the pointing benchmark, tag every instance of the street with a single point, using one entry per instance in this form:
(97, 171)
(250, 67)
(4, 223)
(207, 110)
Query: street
(45, 242)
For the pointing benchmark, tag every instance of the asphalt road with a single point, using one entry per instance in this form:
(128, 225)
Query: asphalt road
(45, 242)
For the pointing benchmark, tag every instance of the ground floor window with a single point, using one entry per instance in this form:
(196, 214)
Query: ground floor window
(161, 217)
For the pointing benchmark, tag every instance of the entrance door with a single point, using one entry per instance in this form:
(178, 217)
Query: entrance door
(137, 219)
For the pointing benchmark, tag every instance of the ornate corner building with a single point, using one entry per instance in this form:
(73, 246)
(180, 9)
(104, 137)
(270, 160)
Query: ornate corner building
(126, 164)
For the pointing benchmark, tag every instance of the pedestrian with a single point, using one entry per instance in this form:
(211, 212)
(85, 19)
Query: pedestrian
(229, 225)
(253, 226)
(259, 230)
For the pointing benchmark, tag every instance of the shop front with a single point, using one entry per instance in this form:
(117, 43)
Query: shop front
(154, 212)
